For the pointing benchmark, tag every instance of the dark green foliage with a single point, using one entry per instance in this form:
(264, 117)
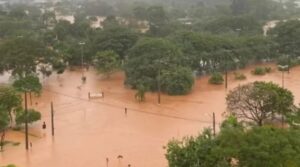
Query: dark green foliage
(9, 101)
(9, 98)
(209, 53)
(106, 62)
(23, 55)
(287, 35)
(216, 79)
(32, 116)
(239, 25)
(259, 71)
(178, 81)
(236, 144)
(117, 39)
(149, 57)
(30, 83)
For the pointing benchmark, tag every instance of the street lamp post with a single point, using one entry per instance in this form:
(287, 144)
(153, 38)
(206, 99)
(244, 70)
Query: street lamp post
(158, 84)
(283, 68)
(235, 60)
(160, 63)
(81, 45)
(26, 121)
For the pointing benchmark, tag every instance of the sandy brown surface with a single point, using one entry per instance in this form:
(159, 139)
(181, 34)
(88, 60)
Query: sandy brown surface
(89, 131)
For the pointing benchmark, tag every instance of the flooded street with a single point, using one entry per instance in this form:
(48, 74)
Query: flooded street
(89, 131)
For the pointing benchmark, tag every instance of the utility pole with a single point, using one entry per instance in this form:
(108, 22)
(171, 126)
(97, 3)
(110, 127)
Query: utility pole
(214, 124)
(226, 77)
(283, 69)
(26, 122)
(81, 46)
(52, 119)
(226, 72)
(158, 83)
(282, 79)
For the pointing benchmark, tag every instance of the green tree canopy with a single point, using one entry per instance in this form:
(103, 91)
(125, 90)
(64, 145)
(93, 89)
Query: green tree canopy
(9, 100)
(117, 39)
(287, 35)
(259, 101)
(178, 81)
(106, 62)
(32, 116)
(29, 83)
(147, 58)
(23, 55)
(238, 146)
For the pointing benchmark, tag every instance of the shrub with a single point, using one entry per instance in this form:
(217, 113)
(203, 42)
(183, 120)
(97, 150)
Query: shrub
(259, 71)
(216, 79)
(32, 116)
(239, 76)
(178, 81)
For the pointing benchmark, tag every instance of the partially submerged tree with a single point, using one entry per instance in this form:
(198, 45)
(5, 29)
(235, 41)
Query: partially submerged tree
(178, 81)
(9, 100)
(106, 62)
(22, 56)
(259, 101)
(29, 84)
(149, 58)
(32, 116)
(4, 123)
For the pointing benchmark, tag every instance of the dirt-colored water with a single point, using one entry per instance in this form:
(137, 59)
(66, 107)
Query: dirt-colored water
(89, 131)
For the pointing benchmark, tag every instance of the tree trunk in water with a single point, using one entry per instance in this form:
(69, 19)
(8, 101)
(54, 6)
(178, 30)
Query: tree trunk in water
(2, 140)
(30, 98)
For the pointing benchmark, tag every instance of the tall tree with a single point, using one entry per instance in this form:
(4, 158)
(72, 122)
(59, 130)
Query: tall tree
(287, 35)
(259, 101)
(10, 101)
(23, 55)
(153, 58)
(117, 39)
(106, 62)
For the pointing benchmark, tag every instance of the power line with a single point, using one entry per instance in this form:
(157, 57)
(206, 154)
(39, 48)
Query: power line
(132, 109)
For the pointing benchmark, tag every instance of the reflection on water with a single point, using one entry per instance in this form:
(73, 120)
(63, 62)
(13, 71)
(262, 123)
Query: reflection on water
(89, 131)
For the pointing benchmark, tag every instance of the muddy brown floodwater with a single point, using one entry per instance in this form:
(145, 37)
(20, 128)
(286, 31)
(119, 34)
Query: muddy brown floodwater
(89, 131)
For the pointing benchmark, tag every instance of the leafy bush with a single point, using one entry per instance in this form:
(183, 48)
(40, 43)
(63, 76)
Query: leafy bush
(178, 81)
(216, 79)
(239, 76)
(259, 71)
(32, 116)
